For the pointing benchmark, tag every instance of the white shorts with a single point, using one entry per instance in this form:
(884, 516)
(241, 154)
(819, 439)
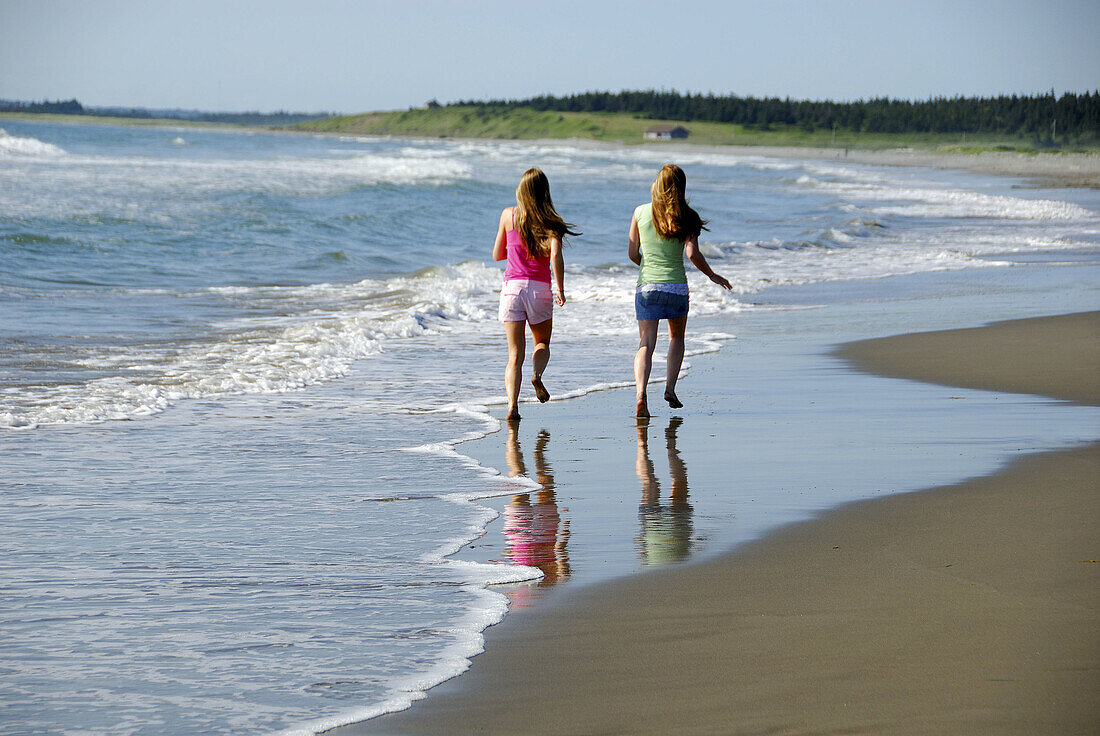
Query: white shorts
(524, 299)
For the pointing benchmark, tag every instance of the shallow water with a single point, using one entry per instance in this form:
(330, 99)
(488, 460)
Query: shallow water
(232, 372)
(776, 430)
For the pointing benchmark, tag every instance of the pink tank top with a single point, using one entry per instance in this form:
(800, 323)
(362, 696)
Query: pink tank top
(520, 265)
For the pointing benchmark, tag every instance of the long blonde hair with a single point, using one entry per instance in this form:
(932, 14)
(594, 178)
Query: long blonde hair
(673, 218)
(536, 219)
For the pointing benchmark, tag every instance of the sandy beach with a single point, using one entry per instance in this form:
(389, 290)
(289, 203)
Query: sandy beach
(1025, 356)
(271, 463)
(969, 608)
(292, 475)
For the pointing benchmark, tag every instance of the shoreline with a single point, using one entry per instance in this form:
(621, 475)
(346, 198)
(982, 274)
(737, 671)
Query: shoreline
(561, 436)
(1041, 169)
(957, 609)
(106, 120)
(1030, 360)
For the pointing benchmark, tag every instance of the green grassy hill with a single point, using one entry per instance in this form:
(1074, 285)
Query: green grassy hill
(523, 123)
(481, 122)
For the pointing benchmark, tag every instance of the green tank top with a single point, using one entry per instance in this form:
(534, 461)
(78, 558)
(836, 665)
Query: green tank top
(662, 259)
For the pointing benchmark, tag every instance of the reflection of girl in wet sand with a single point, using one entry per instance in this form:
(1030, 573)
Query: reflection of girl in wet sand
(666, 530)
(531, 530)
(529, 238)
(662, 232)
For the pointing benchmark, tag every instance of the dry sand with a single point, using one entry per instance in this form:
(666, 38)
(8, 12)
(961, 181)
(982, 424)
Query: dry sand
(968, 609)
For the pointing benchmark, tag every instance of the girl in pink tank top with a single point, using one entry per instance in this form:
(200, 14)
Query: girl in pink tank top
(520, 263)
(529, 238)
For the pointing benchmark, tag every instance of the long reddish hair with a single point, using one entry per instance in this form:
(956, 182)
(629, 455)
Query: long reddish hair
(536, 219)
(673, 218)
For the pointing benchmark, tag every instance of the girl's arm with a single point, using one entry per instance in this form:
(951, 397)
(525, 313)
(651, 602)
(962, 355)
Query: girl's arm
(635, 241)
(691, 247)
(500, 249)
(557, 268)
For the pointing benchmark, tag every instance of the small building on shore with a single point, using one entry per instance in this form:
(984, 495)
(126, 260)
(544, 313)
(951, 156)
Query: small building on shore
(665, 132)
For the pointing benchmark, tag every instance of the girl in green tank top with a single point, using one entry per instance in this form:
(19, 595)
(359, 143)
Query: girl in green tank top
(661, 259)
(662, 232)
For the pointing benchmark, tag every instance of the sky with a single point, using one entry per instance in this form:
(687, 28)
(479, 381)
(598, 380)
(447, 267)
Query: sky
(340, 55)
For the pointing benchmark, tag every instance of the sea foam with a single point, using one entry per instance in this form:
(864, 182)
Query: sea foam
(930, 202)
(26, 147)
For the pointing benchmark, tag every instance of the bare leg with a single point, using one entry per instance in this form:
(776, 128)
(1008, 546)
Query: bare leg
(541, 333)
(643, 363)
(676, 329)
(513, 372)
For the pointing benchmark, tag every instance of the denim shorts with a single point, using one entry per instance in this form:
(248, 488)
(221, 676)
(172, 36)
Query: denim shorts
(657, 304)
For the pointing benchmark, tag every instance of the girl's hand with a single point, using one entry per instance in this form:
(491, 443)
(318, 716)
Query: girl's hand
(559, 297)
(721, 281)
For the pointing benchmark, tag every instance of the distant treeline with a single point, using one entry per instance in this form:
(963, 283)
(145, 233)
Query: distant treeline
(73, 107)
(280, 117)
(66, 107)
(1073, 117)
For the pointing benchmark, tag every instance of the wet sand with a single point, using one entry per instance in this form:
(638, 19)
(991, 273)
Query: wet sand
(1023, 356)
(963, 609)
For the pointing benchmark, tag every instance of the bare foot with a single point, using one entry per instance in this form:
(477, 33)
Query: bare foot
(540, 391)
(642, 408)
(513, 415)
(675, 403)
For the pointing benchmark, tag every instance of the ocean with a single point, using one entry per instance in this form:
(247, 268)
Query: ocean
(235, 369)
